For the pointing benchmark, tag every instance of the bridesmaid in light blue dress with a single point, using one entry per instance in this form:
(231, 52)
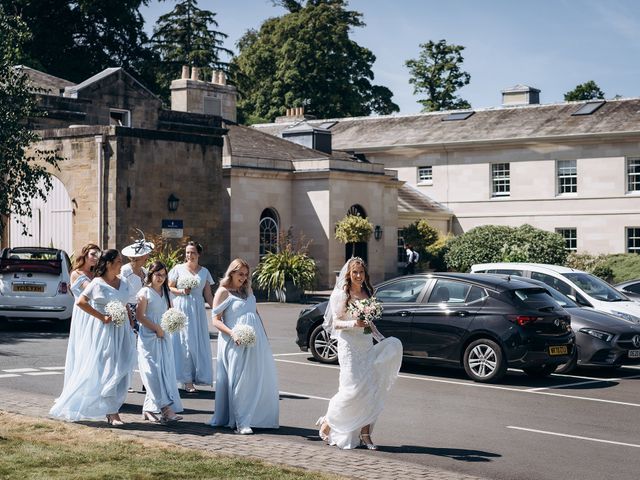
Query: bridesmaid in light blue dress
(246, 381)
(98, 387)
(192, 346)
(81, 275)
(155, 351)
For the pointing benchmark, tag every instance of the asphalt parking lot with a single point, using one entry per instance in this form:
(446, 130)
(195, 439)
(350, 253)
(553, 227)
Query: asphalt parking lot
(584, 426)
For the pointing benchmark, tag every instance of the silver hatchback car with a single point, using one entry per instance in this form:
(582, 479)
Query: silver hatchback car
(34, 284)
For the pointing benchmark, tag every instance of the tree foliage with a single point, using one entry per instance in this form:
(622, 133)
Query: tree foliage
(305, 58)
(187, 35)
(23, 168)
(585, 91)
(437, 74)
(495, 243)
(75, 39)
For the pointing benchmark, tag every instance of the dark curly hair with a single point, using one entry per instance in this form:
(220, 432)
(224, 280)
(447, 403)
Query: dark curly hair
(108, 256)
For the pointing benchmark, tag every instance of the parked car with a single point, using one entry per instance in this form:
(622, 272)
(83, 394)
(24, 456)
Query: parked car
(630, 288)
(585, 289)
(34, 284)
(602, 339)
(482, 323)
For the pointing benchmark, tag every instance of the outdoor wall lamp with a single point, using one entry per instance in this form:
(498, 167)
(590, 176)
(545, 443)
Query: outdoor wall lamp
(377, 232)
(172, 203)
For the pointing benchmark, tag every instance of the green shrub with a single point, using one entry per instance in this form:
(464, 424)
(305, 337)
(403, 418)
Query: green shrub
(436, 252)
(613, 268)
(496, 243)
(353, 229)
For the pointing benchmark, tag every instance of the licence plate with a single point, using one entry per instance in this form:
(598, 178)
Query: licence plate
(28, 288)
(634, 353)
(558, 350)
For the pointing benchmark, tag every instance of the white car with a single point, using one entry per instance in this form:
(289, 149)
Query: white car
(34, 284)
(584, 288)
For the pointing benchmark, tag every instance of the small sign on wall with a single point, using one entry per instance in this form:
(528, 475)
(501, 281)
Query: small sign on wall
(172, 229)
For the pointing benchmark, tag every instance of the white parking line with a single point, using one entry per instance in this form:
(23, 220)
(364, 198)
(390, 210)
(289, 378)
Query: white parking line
(578, 437)
(20, 370)
(575, 384)
(290, 354)
(43, 373)
(480, 385)
(304, 395)
(52, 368)
(9, 375)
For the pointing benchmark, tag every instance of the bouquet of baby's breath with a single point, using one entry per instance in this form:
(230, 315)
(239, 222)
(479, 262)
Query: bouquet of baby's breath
(188, 281)
(117, 311)
(173, 320)
(367, 310)
(245, 334)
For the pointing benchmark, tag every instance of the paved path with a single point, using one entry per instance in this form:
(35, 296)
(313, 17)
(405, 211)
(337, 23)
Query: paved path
(354, 464)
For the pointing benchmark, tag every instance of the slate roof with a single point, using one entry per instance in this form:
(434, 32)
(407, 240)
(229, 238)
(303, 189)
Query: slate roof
(528, 122)
(73, 90)
(253, 143)
(411, 200)
(50, 83)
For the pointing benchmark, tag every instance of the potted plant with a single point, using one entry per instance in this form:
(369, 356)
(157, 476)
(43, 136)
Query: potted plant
(353, 229)
(287, 272)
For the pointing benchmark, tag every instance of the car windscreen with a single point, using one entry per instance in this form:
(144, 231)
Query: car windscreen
(596, 288)
(534, 298)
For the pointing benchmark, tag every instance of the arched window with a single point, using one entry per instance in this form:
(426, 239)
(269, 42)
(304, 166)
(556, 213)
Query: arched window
(357, 210)
(356, 249)
(268, 231)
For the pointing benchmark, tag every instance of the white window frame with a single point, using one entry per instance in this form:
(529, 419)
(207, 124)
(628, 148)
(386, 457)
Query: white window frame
(425, 175)
(567, 177)
(633, 235)
(127, 116)
(271, 225)
(500, 181)
(632, 177)
(570, 235)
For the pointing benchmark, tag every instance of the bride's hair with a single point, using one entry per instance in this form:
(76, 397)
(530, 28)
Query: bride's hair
(233, 267)
(354, 261)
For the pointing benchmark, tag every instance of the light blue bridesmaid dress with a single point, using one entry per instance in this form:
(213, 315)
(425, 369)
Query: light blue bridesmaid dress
(98, 386)
(246, 380)
(192, 346)
(155, 358)
(76, 331)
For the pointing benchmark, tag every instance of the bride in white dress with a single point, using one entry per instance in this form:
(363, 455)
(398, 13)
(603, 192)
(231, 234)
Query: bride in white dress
(367, 371)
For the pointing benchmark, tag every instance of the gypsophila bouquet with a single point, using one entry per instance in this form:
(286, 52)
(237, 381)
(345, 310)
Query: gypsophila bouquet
(173, 320)
(188, 281)
(117, 311)
(367, 310)
(245, 335)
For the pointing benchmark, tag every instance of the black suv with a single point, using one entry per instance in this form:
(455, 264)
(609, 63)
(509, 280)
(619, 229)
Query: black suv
(480, 322)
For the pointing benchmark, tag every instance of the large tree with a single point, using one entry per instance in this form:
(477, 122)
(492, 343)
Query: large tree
(585, 91)
(306, 58)
(75, 39)
(187, 36)
(23, 167)
(438, 75)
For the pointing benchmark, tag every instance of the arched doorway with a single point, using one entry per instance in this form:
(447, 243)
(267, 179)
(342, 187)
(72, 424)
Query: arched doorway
(51, 222)
(269, 229)
(358, 249)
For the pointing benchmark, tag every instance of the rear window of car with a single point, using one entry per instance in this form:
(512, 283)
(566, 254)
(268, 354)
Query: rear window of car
(534, 298)
(31, 261)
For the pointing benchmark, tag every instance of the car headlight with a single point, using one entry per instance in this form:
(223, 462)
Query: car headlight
(626, 316)
(599, 334)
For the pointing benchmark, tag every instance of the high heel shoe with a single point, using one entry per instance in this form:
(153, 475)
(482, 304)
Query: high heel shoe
(169, 416)
(369, 444)
(324, 435)
(150, 416)
(114, 420)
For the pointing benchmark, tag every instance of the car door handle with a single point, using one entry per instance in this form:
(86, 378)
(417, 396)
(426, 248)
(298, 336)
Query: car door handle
(404, 313)
(461, 313)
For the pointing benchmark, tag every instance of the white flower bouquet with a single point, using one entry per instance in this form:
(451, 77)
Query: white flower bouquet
(245, 335)
(173, 320)
(117, 311)
(188, 281)
(367, 310)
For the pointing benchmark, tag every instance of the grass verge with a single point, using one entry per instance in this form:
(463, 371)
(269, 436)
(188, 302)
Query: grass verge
(34, 448)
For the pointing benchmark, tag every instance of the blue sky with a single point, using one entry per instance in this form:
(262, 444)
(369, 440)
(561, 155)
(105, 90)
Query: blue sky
(552, 45)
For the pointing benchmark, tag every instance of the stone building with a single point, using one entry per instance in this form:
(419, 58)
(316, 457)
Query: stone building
(571, 167)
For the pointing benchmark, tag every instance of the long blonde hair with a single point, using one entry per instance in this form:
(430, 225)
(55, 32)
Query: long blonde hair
(233, 267)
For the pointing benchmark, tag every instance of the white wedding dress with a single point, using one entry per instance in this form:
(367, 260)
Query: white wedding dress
(367, 372)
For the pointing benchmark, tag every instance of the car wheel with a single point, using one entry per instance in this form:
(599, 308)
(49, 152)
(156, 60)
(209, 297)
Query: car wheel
(323, 347)
(571, 365)
(483, 361)
(541, 371)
